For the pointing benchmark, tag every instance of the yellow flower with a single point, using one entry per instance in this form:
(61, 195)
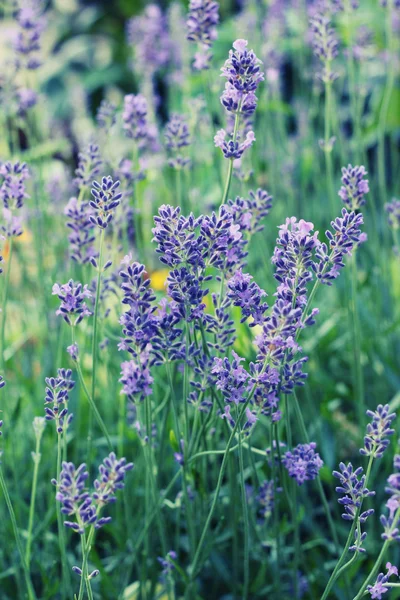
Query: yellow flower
(158, 279)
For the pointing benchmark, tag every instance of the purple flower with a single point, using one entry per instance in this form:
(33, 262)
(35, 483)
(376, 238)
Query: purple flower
(167, 562)
(149, 36)
(303, 464)
(106, 115)
(266, 498)
(352, 486)
(249, 212)
(233, 148)
(89, 164)
(242, 68)
(231, 378)
(134, 118)
(106, 198)
(177, 137)
(379, 588)
(344, 238)
(27, 41)
(136, 378)
(376, 442)
(82, 237)
(354, 187)
(393, 210)
(111, 478)
(202, 21)
(248, 295)
(73, 351)
(325, 45)
(72, 296)
(13, 190)
(57, 396)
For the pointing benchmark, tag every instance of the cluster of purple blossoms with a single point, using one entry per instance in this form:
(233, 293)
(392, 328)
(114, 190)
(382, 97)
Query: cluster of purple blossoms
(243, 73)
(201, 23)
(325, 45)
(106, 115)
(232, 378)
(167, 562)
(352, 486)
(376, 440)
(177, 137)
(89, 164)
(106, 198)
(134, 118)
(31, 24)
(136, 378)
(354, 187)
(13, 190)
(245, 292)
(13, 193)
(148, 35)
(82, 237)
(345, 237)
(249, 212)
(303, 463)
(76, 501)
(380, 586)
(57, 396)
(72, 296)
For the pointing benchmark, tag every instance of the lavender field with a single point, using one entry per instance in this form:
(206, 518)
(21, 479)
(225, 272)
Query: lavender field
(200, 300)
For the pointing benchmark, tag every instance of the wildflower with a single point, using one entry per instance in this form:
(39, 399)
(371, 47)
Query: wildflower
(89, 164)
(111, 478)
(72, 296)
(13, 190)
(231, 378)
(57, 395)
(325, 45)
(27, 41)
(248, 295)
(202, 21)
(81, 238)
(249, 212)
(266, 498)
(393, 210)
(303, 464)
(354, 187)
(177, 137)
(73, 351)
(345, 237)
(134, 117)
(106, 198)
(148, 35)
(379, 588)
(233, 149)
(136, 378)
(352, 486)
(376, 442)
(167, 562)
(106, 115)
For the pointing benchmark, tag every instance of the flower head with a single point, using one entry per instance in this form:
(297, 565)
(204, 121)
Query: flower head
(72, 296)
(354, 186)
(376, 440)
(303, 463)
(106, 198)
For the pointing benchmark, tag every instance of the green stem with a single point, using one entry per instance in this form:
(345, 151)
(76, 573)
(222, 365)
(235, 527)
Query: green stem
(36, 459)
(230, 165)
(294, 509)
(31, 591)
(91, 402)
(94, 340)
(374, 570)
(61, 531)
(246, 563)
(327, 143)
(5, 299)
(358, 372)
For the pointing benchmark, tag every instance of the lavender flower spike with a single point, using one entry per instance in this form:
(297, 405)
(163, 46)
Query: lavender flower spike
(376, 442)
(203, 17)
(106, 198)
(354, 186)
(352, 486)
(303, 464)
(72, 296)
